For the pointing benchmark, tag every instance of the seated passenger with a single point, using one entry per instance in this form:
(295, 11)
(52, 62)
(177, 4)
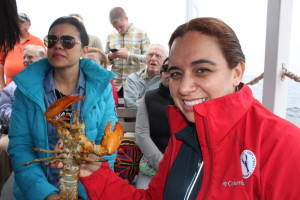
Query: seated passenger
(31, 54)
(41, 84)
(138, 83)
(100, 58)
(152, 129)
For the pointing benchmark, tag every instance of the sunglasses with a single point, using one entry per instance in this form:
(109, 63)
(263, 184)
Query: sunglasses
(67, 41)
(164, 68)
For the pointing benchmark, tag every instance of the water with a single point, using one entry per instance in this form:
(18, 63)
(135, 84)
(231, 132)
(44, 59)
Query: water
(293, 98)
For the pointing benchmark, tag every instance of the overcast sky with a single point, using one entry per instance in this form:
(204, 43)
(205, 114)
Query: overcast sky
(159, 18)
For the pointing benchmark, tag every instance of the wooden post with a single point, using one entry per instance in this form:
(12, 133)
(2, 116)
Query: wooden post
(279, 20)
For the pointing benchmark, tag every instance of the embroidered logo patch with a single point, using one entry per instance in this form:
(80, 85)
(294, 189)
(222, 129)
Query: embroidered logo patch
(248, 163)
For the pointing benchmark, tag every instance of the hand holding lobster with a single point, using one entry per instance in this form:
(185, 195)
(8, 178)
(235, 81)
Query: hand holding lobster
(85, 169)
(76, 146)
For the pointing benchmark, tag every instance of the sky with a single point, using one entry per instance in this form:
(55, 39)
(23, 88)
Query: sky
(159, 18)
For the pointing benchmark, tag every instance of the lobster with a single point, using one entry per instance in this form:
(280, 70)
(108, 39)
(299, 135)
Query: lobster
(76, 145)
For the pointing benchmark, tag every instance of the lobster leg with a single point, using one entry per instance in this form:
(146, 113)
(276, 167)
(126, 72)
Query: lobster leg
(76, 145)
(43, 159)
(49, 151)
(109, 143)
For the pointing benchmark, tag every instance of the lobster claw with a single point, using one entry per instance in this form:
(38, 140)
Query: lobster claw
(61, 104)
(112, 139)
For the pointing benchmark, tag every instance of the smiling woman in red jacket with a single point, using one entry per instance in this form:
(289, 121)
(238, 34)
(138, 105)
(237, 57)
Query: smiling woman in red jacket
(224, 144)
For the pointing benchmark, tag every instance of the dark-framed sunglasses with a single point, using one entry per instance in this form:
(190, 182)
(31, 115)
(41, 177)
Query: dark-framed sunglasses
(164, 68)
(67, 41)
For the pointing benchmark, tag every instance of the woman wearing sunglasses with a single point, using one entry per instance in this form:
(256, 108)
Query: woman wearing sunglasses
(224, 144)
(38, 86)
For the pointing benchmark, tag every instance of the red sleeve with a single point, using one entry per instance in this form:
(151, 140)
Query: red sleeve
(105, 184)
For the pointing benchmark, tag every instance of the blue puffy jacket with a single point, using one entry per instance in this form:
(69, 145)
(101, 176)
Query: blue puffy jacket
(28, 124)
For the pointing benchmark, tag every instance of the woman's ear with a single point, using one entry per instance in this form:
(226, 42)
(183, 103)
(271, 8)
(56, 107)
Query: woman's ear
(238, 73)
(84, 51)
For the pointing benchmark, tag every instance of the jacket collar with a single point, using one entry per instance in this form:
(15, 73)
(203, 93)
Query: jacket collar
(217, 116)
(30, 80)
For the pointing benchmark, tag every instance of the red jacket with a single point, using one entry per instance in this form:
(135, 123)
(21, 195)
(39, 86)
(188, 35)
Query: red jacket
(248, 153)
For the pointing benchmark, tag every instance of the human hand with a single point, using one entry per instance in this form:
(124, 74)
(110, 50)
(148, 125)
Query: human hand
(59, 145)
(121, 53)
(90, 167)
(85, 169)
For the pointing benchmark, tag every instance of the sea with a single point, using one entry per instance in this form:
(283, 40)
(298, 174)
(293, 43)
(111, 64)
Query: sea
(293, 97)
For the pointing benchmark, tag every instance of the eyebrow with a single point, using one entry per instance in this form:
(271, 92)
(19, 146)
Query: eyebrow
(201, 61)
(196, 62)
(172, 68)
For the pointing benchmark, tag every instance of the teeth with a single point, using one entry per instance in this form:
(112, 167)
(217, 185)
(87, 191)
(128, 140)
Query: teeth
(191, 103)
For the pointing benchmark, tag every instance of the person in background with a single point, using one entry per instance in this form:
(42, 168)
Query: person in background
(100, 58)
(94, 41)
(126, 47)
(138, 83)
(32, 53)
(224, 143)
(152, 129)
(63, 73)
(11, 63)
(9, 25)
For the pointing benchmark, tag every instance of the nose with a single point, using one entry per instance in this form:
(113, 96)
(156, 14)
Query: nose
(58, 44)
(120, 30)
(153, 57)
(187, 85)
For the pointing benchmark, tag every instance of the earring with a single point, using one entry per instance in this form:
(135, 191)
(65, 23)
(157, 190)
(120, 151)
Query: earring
(237, 88)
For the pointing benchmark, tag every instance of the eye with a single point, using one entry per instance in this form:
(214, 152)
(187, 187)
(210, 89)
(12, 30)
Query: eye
(69, 41)
(175, 74)
(202, 71)
(52, 40)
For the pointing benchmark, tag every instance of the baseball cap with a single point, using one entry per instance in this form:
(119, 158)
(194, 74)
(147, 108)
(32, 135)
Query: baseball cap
(24, 17)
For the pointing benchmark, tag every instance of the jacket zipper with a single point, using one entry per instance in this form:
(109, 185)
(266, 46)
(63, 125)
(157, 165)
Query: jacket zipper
(192, 184)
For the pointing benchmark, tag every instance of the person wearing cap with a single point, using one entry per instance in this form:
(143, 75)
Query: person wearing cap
(11, 63)
(32, 53)
(9, 23)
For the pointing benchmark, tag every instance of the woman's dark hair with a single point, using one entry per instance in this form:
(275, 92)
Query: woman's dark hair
(75, 22)
(225, 36)
(9, 25)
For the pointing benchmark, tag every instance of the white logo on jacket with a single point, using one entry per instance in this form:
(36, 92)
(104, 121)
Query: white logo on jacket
(248, 163)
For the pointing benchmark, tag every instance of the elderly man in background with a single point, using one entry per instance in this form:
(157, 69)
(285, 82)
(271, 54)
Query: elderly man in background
(126, 47)
(11, 63)
(32, 53)
(138, 83)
